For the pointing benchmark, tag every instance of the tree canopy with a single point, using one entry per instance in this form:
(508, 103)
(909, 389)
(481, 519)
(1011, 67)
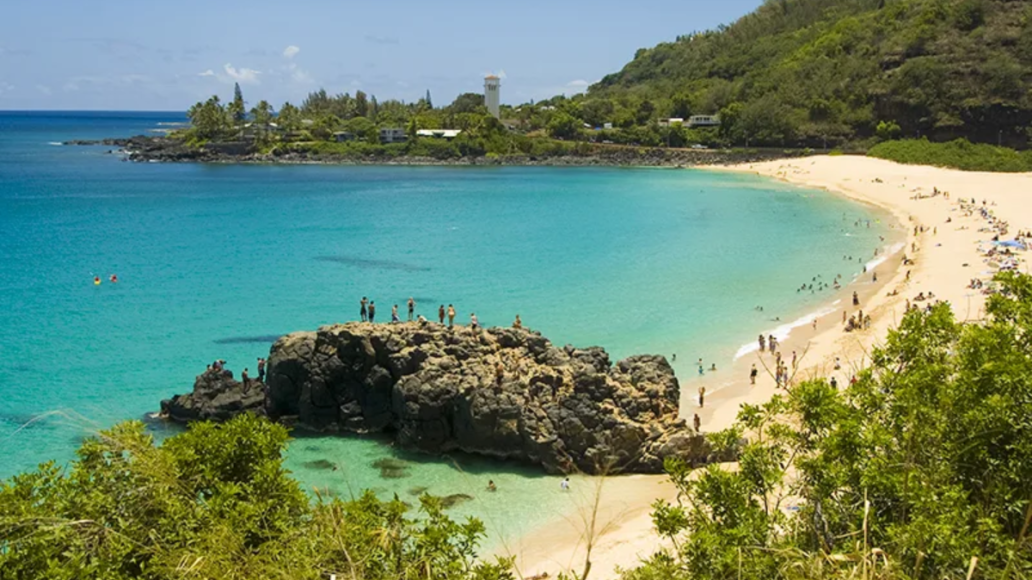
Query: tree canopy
(216, 502)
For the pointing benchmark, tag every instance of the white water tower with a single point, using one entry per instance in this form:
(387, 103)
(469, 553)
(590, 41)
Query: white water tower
(492, 94)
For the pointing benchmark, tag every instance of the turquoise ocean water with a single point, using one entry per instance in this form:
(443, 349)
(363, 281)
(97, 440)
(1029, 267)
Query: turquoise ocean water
(215, 261)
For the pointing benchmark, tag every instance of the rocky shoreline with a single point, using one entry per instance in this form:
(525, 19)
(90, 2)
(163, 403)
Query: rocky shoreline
(146, 149)
(500, 392)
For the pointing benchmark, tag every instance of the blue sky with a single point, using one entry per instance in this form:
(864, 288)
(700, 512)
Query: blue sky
(151, 55)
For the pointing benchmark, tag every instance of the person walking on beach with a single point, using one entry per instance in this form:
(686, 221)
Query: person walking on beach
(451, 315)
(763, 343)
(394, 314)
(372, 310)
(752, 374)
(565, 484)
(440, 313)
(697, 423)
(856, 299)
(261, 369)
(702, 397)
(794, 364)
(411, 308)
(362, 311)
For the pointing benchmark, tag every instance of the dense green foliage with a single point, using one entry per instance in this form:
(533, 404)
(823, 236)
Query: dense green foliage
(816, 71)
(921, 465)
(958, 154)
(215, 502)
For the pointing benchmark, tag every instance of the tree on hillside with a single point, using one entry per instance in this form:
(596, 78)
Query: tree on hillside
(564, 126)
(262, 113)
(209, 119)
(289, 117)
(361, 104)
(466, 103)
(237, 108)
(429, 101)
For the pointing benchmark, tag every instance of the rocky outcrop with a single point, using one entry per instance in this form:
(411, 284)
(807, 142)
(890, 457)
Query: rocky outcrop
(216, 396)
(506, 393)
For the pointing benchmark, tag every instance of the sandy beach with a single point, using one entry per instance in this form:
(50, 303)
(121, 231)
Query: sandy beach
(947, 243)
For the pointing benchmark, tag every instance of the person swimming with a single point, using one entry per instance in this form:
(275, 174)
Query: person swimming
(113, 278)
(96, 280)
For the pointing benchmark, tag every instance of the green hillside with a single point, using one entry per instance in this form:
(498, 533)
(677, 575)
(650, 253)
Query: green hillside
(806, 72)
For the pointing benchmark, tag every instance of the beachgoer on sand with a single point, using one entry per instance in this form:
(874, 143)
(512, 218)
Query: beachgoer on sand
(697, 423)
(702, 397)
(565, 484)
(752, 374)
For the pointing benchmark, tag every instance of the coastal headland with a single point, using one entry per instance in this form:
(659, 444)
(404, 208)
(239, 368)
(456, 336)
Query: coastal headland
(500, 392)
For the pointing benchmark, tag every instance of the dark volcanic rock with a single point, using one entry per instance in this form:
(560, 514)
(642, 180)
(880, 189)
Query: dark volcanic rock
(216, 396)
(499, 392)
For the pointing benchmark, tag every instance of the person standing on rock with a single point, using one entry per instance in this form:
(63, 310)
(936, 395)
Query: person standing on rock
(500, 373)
(517, 324)
(372, 311)
(362, 312)
(244, 377)
(697, 422)
(473, 323)
(394, 314)
(440, 313)
(451, 316)
(261, 369)
(411, 308)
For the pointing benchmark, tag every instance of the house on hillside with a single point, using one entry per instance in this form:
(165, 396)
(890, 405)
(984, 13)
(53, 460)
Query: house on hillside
(671, 121)
(343, 136)
(392, 135)
(704, 121)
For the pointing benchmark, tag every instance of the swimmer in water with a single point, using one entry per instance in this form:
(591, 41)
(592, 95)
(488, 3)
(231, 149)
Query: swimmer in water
(96, 280)
(114, 278)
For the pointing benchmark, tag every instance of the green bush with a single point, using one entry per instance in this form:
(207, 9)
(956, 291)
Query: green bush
(911, 471)
(957, 154)
(215, 502)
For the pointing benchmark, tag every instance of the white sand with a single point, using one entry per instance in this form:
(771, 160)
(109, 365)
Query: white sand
(947, 257)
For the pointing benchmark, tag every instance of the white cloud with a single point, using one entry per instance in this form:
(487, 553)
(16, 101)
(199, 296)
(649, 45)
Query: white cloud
(247, 76)
(501, 74)
(299, 76)
(207, 73)
(291, 51)
(579, 83)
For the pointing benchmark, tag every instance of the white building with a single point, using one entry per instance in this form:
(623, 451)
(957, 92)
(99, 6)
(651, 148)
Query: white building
(439, 133)
(671, 121)
(704, 121)
(392, 135)
(492, 95)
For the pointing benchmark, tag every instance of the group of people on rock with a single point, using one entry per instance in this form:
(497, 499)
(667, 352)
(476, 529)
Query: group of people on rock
(219, 365)
(367, 313)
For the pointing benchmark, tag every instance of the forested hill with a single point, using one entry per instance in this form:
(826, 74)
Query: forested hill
(801, 71)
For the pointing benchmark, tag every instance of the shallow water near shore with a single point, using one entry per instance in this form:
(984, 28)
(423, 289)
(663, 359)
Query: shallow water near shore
(216, 261)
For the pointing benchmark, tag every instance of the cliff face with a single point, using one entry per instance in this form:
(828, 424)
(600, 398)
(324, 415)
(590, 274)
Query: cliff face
(505, 393)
